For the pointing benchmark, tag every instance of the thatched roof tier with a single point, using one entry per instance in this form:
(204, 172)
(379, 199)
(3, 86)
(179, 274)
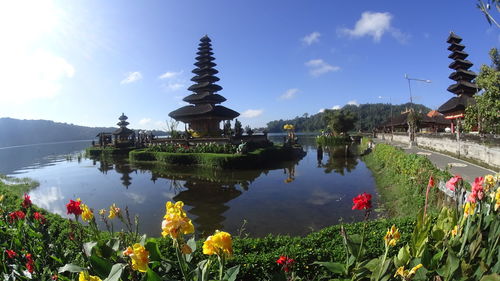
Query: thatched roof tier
(456, 47)
(458, 55)
(205, 87)
(460, 64)
(204, 98)
(123, 131)
(456, 104)
(461, 74)
(205, 78)
(463, 87)
(453, 38)
(203, 111)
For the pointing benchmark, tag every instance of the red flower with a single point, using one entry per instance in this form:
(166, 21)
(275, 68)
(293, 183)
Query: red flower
(39, 217)
(362, 202)
(11, 254)
(17, 215)
(26, 202)
(30, 264)
(452, 183)
(431, 182)
(477, 190)
(286, 263)
(73, 207)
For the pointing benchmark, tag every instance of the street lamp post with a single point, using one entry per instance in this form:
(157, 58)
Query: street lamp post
(412, 123)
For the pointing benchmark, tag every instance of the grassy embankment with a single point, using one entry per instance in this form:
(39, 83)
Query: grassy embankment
(402, 180)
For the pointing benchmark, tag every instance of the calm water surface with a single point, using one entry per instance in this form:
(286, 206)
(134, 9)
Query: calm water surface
(293, 198)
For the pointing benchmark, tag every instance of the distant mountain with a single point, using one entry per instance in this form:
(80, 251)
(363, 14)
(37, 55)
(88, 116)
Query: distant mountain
(369, 116)
(22, 132)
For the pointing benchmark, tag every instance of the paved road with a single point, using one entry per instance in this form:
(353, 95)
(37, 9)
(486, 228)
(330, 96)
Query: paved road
(467, 170)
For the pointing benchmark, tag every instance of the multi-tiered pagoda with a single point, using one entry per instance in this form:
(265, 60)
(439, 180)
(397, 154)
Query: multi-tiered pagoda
(123, 135)
(204, 115)
(464, 88)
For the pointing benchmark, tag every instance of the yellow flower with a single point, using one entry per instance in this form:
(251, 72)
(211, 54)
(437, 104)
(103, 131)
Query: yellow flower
(218, 244)
(176, 221)
(139, 256)
(87, 213)
(288, 127)
(1, 197)
(102, 212)
(497, 199)
(454, 231)
(113, 211)
(392, 236)
(407, 274)
(469, 209)
(489, 180)
(85, 276)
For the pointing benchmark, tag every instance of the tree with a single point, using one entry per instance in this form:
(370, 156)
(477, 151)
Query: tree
(485, 114)
(340, 120)
(172, 128)
(485, 8)
(227, 128)
(238, 128)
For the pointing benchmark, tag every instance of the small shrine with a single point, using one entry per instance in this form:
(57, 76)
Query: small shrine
(123, 136)
(204, 115)
(464, 88)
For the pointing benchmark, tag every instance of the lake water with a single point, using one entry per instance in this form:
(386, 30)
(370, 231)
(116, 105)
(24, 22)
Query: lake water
(296, 198)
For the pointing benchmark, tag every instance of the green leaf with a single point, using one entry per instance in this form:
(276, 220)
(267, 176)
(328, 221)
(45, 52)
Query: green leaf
(116, 272)
(491, 277)
(403, 256)
(70, 268)
(101, 266)
(334, 267)
(152, 276)
(373, 265)
(154, 251)
(192, 244)
(232, 273)
(87, 248)
(436, 259)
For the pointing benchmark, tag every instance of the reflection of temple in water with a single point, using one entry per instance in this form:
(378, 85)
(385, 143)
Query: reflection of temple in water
(208, 201)
(119, 164)
(341, 159)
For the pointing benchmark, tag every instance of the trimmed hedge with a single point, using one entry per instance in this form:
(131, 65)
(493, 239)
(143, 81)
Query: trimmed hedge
(106, 151)
(402, 180)
(261, 157)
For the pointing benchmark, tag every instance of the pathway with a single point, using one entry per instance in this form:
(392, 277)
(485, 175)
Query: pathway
(467, 170)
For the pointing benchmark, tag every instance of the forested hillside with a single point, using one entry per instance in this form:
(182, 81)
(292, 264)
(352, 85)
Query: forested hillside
(369, 116)
(21, 132)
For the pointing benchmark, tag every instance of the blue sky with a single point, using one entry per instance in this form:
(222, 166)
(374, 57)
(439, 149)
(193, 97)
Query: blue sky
(86, 62)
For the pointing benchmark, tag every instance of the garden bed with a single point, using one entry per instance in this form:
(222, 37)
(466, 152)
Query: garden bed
(261, 157)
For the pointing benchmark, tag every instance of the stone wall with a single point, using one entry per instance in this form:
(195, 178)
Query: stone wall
(487, 152)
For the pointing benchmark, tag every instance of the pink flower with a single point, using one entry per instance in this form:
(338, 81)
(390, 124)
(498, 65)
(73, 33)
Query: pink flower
(477, 190)
(452, 183)
(26, 202)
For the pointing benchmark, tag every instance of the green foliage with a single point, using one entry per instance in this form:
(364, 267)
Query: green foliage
(238, 128)
(402, 179)
(369, 117)
(332, 140)
(198, 148)
(340, 121)
(485, 114)
(485, 9)
(261, 157)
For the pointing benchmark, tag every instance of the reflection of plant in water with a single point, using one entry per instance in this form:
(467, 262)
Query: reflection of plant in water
(290, 171)
(176, 185)
(340, 160)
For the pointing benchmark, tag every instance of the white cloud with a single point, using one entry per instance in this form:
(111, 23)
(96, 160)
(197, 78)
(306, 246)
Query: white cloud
(289, 94)
(311, 38)
(131, 77)
(336, 107)
(34, 75)
(318, 67)
(170, 74)
(353, 102)
(175, 86)
(145, 121)
(321, 110)
(375, 24)
(252, 113)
